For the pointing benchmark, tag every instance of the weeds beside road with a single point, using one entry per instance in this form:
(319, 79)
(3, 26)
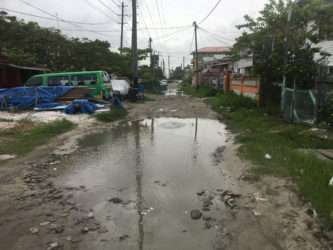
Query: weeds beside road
(260, 132)
(27, 135)
(114, 114)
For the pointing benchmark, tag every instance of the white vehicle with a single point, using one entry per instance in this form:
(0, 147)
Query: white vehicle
(180, 81)
(164, 83)
(120, 88)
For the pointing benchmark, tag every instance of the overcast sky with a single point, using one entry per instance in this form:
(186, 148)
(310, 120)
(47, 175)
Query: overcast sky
(100, 17)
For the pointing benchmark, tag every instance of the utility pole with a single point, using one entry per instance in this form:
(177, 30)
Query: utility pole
(163, 66)
(134, 45)
(183, 68)
(151, 62)
(122, 28)
(285, 60)
(169, 66)
(196, 56)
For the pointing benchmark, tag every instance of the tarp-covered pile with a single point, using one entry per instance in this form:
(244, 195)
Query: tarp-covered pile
(25, 97)
(80, 105)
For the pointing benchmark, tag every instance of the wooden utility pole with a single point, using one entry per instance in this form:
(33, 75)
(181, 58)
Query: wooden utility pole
(151, 62)
(134, 45)
(183, 68)
(169, 66)
(285, 60)
(163, 67)
(196, 56)
(122, 28)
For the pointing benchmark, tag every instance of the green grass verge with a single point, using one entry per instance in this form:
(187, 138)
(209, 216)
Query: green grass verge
(201, 91)
(155, 91)
(28, 135)
(114, 114)
(146, 99)
(260, 133)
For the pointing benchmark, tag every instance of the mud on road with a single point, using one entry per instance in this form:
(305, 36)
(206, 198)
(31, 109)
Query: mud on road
(37, 211)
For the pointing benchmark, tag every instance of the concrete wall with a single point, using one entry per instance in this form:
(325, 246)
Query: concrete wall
(328, 47)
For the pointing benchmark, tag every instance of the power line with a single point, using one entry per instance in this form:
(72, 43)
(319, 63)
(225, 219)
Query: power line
(99, 10)
(192, 44)
(173, 33)
(53, 19)
(232, 40)
(45, 12)
(108, 7)
(216, 38)
(210, 12)
(115, 3)
(143, 21)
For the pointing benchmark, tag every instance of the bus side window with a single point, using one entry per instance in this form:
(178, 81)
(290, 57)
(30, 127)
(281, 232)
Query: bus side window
(106, 78)
(57, 81)
(81, 80)
(36, 81)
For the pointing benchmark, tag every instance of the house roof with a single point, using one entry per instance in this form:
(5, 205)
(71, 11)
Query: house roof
(24, 67)
(213, 49)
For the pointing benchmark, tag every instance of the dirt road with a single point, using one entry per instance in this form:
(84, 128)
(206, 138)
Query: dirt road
(179, 187)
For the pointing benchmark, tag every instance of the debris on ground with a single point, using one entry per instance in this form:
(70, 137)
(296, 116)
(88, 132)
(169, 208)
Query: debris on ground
(116, 200)
(257, 197)
(124, 237)
(208, 225)
(256, 214)
(59, 229)
(196, 214)
(85, 230)
(207, 203)
(201, 192)
(228, 198)
(53, 245)
(268, 157)
(89, 215)
(34, 230)
(311, 212)
(44, 223)
(54, 162)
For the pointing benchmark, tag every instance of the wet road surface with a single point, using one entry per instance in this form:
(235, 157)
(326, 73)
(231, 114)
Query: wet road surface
(155, 167)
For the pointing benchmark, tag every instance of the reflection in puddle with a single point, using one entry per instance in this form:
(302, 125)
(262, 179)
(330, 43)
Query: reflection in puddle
(174, 92)
(156, 166)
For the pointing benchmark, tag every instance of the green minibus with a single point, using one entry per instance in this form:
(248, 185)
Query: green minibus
(99, 80)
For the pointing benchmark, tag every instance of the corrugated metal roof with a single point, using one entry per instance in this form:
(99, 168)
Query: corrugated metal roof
(213, 49)
(24, 67)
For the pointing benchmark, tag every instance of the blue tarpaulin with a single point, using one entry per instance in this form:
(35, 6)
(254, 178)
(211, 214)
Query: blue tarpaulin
(24, 97)
(117, 102)
(81, 105)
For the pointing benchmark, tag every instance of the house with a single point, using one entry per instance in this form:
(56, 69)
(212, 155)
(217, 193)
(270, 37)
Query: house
(12, 75)
(211, 64)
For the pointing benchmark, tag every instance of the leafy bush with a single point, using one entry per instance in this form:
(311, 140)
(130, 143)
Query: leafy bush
(114, 114)
(231, 102)
(326, 111)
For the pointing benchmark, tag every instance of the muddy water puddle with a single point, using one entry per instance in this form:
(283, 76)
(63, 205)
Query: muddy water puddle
(144, 178)
(174, 92)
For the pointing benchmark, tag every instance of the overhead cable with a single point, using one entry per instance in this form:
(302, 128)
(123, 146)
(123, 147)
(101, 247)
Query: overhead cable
(210, 12)
(45, 12)
(53, 19)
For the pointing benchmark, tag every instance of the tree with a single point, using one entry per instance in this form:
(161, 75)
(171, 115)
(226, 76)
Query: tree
(177, 73)
(264, 41)
(28, 44)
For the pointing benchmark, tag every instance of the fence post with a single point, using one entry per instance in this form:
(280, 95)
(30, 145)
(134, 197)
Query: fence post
(258, 96)
(241, 85)
(225, 85)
